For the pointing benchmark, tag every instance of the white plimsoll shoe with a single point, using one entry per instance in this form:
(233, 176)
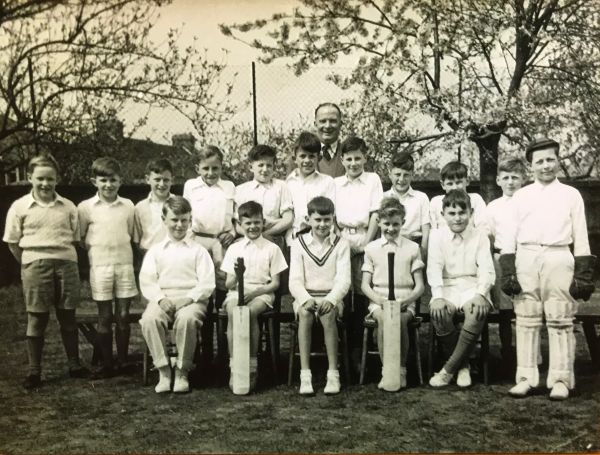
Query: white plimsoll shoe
(463, 378)
(182, 384)
(559, 391)
(441, 379)
(333, 382)
(521, 389)
(164, 380)
(306, 387)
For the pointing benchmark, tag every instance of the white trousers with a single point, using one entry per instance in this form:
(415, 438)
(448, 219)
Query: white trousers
(186, 329)
(545, 274)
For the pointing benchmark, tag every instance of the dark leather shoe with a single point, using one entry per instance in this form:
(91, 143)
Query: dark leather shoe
(32, 381)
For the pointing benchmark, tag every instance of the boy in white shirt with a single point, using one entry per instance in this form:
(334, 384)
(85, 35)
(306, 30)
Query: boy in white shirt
(455, 176)
(319, 281)
(544, 276)
(107, 231)
(271, 193)
(177, 278)
(150, 227)
(511, 176)
(264, 262)
(460, 271)
(358, 195)
(305, 182)
(417, 224)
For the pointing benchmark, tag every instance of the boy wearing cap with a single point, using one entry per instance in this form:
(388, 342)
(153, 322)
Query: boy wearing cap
(544, 276)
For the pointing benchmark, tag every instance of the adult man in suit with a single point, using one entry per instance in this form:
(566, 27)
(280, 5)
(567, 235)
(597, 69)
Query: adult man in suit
(328, 122)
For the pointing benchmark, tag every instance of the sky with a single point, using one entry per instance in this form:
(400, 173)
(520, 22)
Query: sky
(281, 96)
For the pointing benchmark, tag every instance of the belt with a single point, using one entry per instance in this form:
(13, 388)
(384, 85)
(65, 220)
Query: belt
(204, 234)
(544, 245)
(353, 230)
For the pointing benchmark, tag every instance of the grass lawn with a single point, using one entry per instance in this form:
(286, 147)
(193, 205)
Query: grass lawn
(120, 415)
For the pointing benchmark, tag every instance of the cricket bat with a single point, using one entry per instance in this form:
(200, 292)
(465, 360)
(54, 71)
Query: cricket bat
(241, 338)
(391, 335)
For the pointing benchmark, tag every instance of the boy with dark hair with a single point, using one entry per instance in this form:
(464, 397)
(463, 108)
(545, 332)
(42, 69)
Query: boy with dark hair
(150, 228)
(271, 193)
(177, 279)
(460, 271)
(305, 182)
(417, 224)
(107, 230)
(264, 262)
(455, 176)
(41, 229)
(319, 281)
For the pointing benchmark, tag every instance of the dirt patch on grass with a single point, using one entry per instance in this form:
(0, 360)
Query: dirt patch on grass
(120, 415)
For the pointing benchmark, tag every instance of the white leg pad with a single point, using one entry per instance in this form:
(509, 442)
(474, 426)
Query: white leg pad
(528, 326)
(561, 341)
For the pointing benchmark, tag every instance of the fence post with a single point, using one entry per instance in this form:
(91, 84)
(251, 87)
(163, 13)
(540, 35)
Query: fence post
(254, 103)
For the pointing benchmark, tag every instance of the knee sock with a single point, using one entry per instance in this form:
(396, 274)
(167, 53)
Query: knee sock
(105, 345)
(70, 341)
(465, 345)
(448, 343)
(35, 345)
(122, 342)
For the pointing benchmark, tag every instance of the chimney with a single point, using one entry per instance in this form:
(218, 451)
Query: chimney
(185, 141)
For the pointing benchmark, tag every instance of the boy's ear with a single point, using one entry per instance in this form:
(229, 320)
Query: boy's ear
(147, 178)
(93, 180)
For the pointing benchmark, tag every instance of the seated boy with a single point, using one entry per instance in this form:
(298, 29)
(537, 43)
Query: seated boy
(271, 193)
(107, 230)
(460, 271)
(455, 176)
(511, 176)
(305, 182)
(41, 228)
(408, 275)
(319, 281)
(416, 225)
(150, 228)
(264, 262)
(177, 278)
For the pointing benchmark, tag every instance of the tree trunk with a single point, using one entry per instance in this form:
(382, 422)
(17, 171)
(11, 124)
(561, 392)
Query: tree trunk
(488, 163)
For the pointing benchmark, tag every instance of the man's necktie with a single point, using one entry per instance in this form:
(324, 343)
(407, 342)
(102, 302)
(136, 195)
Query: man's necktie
(326, 152)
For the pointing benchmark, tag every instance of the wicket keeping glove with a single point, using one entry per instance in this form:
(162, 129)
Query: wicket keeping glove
(582, 285)
(508, 278)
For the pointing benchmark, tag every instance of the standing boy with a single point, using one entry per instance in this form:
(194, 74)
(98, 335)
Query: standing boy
(107, 227)
(41, 228)
(357, 198)
(460, 271)
(264, 262)
(177, 278)
(150, 227)
(510, 178)
(416, 225)
(319, 281)
(305, 182)
(547, 216)
(271, 193)
(408, 276)
(455, 176)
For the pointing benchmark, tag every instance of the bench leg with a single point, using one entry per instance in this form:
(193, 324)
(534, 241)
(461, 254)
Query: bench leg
(363, 356)
(417, 348)
(593, 342)
(273, 349)
(293, 338)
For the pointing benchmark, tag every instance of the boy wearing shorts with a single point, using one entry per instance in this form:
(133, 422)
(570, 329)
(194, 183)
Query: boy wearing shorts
(41, 230)
(107, 230)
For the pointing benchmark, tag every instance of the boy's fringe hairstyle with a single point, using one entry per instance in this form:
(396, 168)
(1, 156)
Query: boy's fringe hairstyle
(250, 209)
(45, 160)
(208, 151)
(404, 161)
(321, 205)
(159, 166)
(106, 166)
(178, 205)
(458, 198)
(514, 165)
(390, 207)
(308, 142)
(353, 143)
(454, 170)
(261, 151)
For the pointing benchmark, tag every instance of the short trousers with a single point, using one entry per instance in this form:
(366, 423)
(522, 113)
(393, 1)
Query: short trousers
(398, 292)
(50, 283)
(232, 298)
(318, 296)
(109, 281)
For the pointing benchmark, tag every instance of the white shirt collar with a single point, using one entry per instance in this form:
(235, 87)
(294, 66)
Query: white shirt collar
(57, 198)
(96, 200)
(310, 239)
(361, 179)
(187, 240)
